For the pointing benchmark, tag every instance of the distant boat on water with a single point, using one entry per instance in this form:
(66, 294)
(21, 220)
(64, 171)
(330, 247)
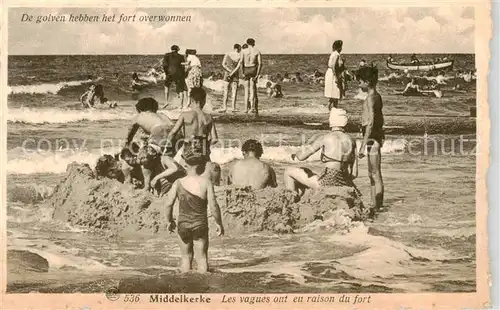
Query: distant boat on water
(448, 64)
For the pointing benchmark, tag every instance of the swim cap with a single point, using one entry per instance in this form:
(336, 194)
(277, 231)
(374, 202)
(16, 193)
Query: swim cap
(338, 117)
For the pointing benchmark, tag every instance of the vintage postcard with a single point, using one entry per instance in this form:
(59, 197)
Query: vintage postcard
(234, 155)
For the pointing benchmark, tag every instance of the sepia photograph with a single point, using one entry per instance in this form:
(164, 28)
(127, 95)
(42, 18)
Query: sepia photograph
(252, 150)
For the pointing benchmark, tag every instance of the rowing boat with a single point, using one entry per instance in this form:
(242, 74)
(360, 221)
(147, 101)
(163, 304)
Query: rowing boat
(420, 67)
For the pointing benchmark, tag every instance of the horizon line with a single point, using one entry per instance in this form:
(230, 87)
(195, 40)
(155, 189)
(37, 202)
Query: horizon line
(270, 54)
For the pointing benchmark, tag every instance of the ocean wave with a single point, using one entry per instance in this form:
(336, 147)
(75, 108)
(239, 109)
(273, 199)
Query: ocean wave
(29, 193)
(46, 88)
(56, 162)
(60, 116)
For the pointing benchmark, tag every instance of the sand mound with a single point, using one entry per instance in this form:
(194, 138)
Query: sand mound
(275, 210)
(84, 200)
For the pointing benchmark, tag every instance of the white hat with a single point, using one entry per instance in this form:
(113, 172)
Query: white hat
(338, 117)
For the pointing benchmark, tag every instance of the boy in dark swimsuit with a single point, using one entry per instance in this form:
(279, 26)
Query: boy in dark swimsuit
(196, 194)
(373, 133)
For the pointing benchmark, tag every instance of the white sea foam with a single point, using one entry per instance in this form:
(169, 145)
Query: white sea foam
(60, 116)
(217, 86)
(46, 88)
(56, 162)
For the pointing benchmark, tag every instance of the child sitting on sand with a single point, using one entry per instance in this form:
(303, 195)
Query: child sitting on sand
(196, 194)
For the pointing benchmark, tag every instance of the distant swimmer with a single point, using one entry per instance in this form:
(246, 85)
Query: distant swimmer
(137, 83)
(334, 85)
(229, 63)
(297, 78)
(414, 60)
(468, 77)
(174, 73)
(195, 195)
(94, 98)
(251, 171)
(274, 90)
(412, 88)
(199, 133)
(251, 65)
(338, 154)
(372, 124)
(440, 78)
(88, 98)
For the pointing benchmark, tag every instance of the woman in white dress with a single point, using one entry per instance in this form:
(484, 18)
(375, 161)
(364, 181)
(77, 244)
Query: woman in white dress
(334, 86)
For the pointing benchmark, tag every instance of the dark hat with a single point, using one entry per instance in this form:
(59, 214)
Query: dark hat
(175, 48)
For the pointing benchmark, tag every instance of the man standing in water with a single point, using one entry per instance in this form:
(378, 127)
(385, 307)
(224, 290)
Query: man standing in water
(251, 64)
(373, 133)
(174, 72)
(229, 63)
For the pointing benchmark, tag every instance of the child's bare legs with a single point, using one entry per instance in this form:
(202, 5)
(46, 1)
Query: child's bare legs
(298, 178)
(225, 97)
(252, 92)
(126, 170)
(166, 97)
(186, 255)
(188, 97)
(234, 90)
(246, 85)
(201, 253)
(375, 175)
(147, 173)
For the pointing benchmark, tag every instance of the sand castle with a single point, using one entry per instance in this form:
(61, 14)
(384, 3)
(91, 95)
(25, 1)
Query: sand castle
(85, 199)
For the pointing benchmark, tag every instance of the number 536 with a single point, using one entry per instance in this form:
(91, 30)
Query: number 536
(132, 298)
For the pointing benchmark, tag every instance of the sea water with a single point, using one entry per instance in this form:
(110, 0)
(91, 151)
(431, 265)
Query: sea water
(424, 241)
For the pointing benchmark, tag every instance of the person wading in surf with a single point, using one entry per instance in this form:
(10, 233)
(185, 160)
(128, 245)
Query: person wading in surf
(229, 63)
(196, 194)
(373, 133)
(251, 65)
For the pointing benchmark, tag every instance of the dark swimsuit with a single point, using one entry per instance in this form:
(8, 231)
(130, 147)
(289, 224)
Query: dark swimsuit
(377, 134)
(249, 72)
(197, 145)
(192, 221)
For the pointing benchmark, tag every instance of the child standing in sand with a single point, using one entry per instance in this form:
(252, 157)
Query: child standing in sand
(196, 194)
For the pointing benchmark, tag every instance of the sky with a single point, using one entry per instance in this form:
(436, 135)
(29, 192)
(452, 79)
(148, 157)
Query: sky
(275, 30)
